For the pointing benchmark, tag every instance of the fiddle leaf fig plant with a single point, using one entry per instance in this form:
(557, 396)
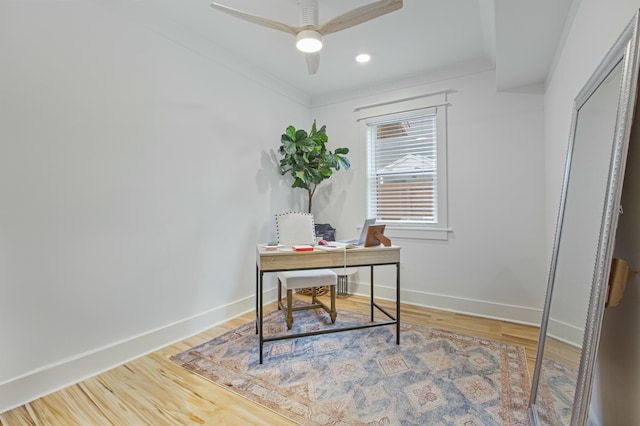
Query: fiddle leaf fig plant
(306, 158)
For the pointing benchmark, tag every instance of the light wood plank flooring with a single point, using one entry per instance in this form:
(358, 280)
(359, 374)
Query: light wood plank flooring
(152, 390)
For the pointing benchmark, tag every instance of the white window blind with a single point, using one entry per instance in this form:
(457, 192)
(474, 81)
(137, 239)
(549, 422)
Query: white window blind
(403, 168)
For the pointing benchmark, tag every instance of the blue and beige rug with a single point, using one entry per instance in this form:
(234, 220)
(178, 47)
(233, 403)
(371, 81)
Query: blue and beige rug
(362, 377)
(556, 393)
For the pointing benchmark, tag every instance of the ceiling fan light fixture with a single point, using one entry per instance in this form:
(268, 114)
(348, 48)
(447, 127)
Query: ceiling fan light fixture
(363, 58)
(309, 41)
(309, 33)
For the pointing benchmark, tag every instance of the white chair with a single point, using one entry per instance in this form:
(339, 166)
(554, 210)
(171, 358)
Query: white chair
(295, 228)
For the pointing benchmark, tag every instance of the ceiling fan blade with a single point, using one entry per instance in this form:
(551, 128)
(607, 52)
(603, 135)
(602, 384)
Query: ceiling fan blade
(275, 25)
(359, 15)
(313, 62)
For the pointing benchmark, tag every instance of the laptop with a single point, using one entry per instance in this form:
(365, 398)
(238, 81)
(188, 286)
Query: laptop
(363, 234)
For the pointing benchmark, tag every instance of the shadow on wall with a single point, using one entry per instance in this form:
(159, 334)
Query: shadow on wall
(618, 359)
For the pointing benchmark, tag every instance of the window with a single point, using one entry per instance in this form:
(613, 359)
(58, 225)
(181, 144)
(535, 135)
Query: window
(402, 170)
(406, 166)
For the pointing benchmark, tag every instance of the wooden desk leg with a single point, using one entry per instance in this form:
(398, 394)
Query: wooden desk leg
(371, 292)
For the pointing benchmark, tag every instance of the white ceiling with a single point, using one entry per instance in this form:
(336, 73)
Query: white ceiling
(517, 37)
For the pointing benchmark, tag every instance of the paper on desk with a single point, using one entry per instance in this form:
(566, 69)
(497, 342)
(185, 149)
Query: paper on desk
(334, 245)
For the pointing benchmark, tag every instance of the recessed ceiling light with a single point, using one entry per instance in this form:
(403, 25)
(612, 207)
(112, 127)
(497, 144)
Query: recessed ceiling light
(363, 57)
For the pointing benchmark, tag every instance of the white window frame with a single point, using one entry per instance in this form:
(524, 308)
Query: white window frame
(406, 108)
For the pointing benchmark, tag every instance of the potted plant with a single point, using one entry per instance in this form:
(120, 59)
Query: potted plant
(306, 158)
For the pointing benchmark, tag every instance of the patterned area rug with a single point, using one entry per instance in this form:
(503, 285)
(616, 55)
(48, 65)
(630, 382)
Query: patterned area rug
(362, 377)
(557, 391)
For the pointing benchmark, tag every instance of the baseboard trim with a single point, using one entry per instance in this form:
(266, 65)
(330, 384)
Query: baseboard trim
(480, 308)
(51, 378)
(566, 333)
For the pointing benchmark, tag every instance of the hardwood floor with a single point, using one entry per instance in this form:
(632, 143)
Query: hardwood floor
(152, 390)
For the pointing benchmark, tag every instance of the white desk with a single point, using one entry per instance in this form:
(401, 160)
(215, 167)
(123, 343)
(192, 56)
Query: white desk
(276, 261)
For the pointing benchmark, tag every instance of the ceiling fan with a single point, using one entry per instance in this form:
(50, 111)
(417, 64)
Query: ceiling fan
(309, 33)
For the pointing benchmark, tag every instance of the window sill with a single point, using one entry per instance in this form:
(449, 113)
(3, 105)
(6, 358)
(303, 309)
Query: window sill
(418, 233)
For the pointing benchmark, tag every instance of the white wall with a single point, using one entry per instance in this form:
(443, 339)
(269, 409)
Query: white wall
(136, 175)
(596, 26)
(493, 263)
